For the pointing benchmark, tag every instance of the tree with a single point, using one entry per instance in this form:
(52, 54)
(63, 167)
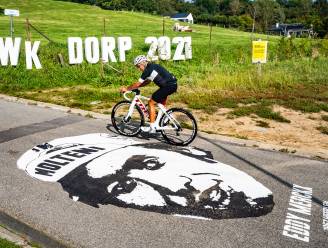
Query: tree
(234, 7)
(321, 7)
(296, 9)
(114, 4)
(165, 7)
(268, 12)
(209, 6)
(252, 10)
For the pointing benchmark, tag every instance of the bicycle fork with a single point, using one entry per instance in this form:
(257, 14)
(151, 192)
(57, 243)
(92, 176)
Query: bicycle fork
(162, 111)
(140, 104)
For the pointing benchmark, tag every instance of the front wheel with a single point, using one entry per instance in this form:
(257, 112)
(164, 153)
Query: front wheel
(180, 128)
(124, 124)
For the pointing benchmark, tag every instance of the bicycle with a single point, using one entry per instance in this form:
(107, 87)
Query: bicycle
(177, 126)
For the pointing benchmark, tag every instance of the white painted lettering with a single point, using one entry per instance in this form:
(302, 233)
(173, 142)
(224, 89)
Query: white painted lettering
(188, 48)
(153, 48)
(124, 44)
(296, 187)
(297, 223)
(31, 55)
(325, 215)
(297, 227)
(178, 55)
(75, 50)
(164, 48)
(300, 209)
(9, 49)
(92, 50)
(295, 217)
(107, 47)
(295, 236)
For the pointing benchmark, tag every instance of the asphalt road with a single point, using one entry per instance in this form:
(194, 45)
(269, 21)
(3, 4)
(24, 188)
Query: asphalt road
(46, 207)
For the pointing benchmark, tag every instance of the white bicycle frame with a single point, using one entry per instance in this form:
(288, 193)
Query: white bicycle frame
(162, 111)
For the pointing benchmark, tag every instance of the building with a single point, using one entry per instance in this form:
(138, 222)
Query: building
(288, 30)
(183, 17)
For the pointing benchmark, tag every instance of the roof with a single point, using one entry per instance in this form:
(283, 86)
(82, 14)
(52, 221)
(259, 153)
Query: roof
(282, 27)
(180, 15)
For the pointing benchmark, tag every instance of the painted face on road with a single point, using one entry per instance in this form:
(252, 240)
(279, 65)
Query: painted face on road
(97, 169)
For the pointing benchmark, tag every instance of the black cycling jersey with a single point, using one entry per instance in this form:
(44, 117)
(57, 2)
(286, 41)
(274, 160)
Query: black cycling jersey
(158, 74)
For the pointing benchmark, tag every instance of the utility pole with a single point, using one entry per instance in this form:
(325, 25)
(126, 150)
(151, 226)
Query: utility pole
(253, 9)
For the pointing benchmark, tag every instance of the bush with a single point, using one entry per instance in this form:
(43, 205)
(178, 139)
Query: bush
(243, 22)
(246, 22)
(324, 47)
(286, 48)
(305, 48)
(220, 20)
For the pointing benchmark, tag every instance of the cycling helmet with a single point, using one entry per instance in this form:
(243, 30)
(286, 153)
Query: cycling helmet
(139, 59)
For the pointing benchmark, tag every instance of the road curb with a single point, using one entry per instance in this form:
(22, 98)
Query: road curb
(228, 139)
(81, 112)
(32, 235)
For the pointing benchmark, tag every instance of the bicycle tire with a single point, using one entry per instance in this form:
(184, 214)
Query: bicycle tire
(168, 137)
(125, 123)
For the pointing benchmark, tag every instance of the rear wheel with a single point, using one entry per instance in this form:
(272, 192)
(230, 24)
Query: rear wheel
(128, 126)
(180, 129)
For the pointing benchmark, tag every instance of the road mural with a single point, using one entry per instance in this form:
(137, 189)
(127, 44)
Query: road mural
(99, 169)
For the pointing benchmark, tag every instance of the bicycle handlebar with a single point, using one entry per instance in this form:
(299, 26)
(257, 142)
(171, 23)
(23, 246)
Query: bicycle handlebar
(136, 91)
(125, 95)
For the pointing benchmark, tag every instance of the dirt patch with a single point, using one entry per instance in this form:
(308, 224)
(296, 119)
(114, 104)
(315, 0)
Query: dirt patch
(301, 134)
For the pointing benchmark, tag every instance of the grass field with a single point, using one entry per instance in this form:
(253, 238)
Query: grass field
(219, 75)
(6, 244)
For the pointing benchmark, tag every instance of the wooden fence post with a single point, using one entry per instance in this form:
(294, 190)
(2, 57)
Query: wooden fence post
(28, 33)
(61, 59)
(210, 35)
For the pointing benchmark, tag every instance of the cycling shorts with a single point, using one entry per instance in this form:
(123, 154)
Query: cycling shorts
(162, 93)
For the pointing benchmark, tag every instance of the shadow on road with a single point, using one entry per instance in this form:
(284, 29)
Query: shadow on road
(257, 167)
(141, 135)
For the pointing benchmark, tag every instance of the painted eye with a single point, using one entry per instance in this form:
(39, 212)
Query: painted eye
(151, 162)
(152, 159)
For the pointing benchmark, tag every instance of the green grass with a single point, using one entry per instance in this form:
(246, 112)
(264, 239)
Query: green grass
(323, 129)
(7, 244)
(241, 137)
(287, 151)
(307, 105)
(261, 110)
(262, 124)
(220, 75)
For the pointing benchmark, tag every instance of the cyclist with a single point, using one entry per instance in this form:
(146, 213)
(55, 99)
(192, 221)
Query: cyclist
(166, 82)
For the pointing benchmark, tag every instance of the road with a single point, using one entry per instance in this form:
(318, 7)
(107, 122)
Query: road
(46, 207)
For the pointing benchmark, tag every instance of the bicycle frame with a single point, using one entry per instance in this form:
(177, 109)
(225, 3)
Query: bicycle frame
(137, 100)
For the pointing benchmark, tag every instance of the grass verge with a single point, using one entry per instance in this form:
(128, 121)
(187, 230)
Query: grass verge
(220, 75)
(260, 110)
(323, 129)
(7, 244)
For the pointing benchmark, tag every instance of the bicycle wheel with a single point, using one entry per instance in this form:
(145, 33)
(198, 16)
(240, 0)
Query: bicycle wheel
(127, 126)
(179, 130)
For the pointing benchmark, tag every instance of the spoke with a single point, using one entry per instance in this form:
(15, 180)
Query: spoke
(183, 129)
(130, 127)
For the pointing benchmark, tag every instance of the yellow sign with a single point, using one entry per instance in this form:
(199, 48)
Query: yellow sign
(259, 54)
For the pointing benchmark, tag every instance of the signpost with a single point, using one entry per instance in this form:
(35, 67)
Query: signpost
(259, 53)
(11, 13)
